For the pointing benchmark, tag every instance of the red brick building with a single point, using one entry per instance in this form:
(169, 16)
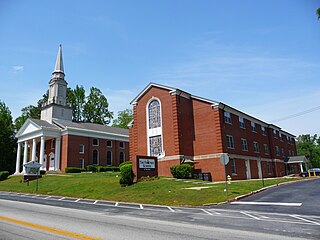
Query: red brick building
(176, 126)
(57, 143)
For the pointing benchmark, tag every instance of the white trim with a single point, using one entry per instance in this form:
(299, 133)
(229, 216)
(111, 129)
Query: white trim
(81, 160)
(97, 134)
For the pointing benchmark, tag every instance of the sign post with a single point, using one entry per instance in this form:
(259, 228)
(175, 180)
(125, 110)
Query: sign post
(32, 172)
(224, 160)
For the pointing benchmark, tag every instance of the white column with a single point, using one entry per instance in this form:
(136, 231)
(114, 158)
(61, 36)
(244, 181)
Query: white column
(34, 147)
(301, 167)
(57, 154)
(42, 152)
(18, 159)
(25, 157)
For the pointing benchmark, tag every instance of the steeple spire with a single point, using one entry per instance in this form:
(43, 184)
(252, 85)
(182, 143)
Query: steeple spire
(59, 63)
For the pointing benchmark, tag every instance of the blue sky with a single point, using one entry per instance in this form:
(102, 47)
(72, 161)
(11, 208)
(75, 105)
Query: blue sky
(261, 57)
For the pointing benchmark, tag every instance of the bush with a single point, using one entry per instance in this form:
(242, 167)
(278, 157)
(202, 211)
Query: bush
(126, 175)
(74, 170)
(4, 175)
(182, 171)
(92, 168)
(108, 169)
(42, 172)
(125, 163)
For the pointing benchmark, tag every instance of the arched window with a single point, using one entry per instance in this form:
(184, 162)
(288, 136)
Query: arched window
(109, 158)
(95, 157)
(121, 157)
(154, 114)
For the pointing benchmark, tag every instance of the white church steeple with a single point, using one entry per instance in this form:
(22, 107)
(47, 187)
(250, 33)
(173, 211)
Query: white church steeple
(57, 106)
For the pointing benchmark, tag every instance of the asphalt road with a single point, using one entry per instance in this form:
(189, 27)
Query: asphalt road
(71, 218)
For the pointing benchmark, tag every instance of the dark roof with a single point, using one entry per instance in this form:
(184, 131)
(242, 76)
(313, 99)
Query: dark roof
(43, 124)
(90, 127)
(297, 159)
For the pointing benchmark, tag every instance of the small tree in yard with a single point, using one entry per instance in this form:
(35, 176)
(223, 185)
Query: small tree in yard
(182, 171)
(126, 175)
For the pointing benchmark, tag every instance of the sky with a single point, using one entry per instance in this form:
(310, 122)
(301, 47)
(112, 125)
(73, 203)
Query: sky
(261, 57)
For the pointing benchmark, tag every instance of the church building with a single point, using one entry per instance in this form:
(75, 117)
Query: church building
(178, 127)
(56, 142)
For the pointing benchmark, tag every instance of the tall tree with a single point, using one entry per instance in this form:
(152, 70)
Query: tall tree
(309, 146)
(318, 13)
(77, 98)
(7, 139)
(123, 119)
(96, 108)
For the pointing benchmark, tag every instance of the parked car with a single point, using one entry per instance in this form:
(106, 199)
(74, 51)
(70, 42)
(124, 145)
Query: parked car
(312, 171)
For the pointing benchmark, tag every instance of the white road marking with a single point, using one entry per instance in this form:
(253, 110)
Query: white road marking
(207, 212)
(303, 219)
(249, 215)
(116, 204)
(95, 201)
(269, 203)
(77, 200)
(47, 197)
(141, 207)
(61, 198)
(170, 209)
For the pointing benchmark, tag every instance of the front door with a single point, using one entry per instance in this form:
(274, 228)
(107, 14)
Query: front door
(248, 169)
(51, 165)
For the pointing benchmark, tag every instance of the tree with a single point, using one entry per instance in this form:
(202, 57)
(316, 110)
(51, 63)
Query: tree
(309, 146)
(77, 99)
(318, 13)
(96, 108)
(7, 139)
(123, 119)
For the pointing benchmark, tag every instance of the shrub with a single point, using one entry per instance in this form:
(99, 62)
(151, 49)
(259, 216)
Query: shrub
(92, 168)
(74, 170)
(125, 163)
(126, 175)
(108, 169)
(182, 171)
(42, 172)
(4, 175)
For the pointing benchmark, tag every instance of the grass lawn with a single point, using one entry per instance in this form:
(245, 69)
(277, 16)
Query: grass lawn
(162, 191)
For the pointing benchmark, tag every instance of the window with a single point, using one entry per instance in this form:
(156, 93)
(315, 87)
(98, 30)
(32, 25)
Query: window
(109, 158)
(288, 139)
(230, 142)
(253, 127)
(81, 163)
(266, 148)
(292, 140)
(121, 157)
(121, 145)
(81, 148)
(244, 143)
(154, 114)
(241, 122)
(109, 143)
(277, 151)
(233, 166)
(52, 143)
(263, 130)
(275, 133)
(281, 137)
(95, 142)
(95, 157)
(282, 151)
(227, 117)
(255, 147)
(155, 146)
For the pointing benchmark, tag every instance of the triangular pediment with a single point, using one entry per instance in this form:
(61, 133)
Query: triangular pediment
(27, 128)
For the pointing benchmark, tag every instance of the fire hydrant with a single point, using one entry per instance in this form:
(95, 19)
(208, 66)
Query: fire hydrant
(229, 179)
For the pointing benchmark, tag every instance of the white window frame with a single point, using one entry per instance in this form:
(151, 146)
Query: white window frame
(266, 148)
(241, 123)
(81, 162)
(97, 142)
(253, 127)
(230, 142)
(256, 147)
(233, 166)
(263, 130)
(227, 117)
(243, 140)
(154, 131)
(274, 133)
(81, 147)
(122, 145)
(277, 151)
(110, 144)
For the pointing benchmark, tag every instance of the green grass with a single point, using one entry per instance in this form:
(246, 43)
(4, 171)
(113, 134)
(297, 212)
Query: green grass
(162, 191)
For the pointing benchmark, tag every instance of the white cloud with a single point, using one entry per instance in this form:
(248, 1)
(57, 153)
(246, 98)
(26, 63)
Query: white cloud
(18, 68)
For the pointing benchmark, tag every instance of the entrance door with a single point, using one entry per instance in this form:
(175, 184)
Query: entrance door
(259, 169)
(248, 169)
(51, 157)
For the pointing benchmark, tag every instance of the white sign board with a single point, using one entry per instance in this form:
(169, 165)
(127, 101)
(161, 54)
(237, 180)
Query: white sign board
(32, 168)
(224, 158)
(147, 163)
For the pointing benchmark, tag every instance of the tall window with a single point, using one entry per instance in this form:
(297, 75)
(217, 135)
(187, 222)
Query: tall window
(230, 143)
(81, 163)
(109, 143)
(269, 167)
(244, 143)
(275, 133)
(282, 151)
(109, 158)
(155, 145)
(227, 117)
(81, 148)
(255, 147)
(121, 157)
(266, 148)
(95, 142)
(121, 144)
(277, 151)
(233, 166)
(95, 157)
(263, 130)
(154, 114)
(253, 127)
(241, 122)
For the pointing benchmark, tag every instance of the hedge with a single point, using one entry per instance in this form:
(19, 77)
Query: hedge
(126, 175)
(125, 163)
(92, 168)
(108, 169)
(182, 171)
(4, 175)
(74, 170)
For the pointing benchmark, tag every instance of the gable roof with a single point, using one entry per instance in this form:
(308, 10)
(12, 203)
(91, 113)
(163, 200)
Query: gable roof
(297, 159)
(91, 127)
(32, 125)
